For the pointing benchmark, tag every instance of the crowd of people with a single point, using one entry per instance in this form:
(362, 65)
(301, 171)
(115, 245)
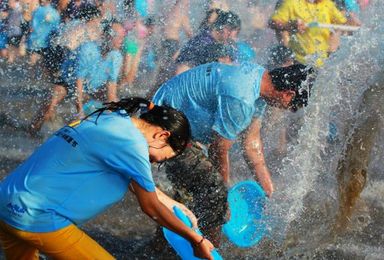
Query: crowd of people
(209, 87)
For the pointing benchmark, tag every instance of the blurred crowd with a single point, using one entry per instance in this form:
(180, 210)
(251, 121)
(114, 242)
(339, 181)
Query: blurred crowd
(96, 48)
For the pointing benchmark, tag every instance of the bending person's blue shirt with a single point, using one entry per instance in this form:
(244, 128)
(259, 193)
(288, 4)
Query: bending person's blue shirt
(78, 155)
(214, 97)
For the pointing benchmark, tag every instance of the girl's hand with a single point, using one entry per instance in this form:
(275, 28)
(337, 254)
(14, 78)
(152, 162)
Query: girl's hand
(189, 214)
(203, 249)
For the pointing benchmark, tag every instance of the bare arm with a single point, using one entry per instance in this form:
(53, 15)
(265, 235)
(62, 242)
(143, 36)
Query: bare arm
(170, 203)
(254, 155)
(294, 26)
(182, 67)
(156, 210)
(219, 152)
(186, 25)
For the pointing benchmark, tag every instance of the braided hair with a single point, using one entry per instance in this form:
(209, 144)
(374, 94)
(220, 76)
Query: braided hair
(165, 117)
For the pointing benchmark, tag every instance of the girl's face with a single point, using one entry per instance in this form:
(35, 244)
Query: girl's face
(160, 151)
(281, 99)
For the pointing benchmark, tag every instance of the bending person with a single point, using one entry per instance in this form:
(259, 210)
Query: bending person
(85, 168)
(220, 102)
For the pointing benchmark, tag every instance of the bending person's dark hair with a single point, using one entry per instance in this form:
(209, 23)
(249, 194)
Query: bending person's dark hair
(227, 19)
(165, 117)
(298, 78)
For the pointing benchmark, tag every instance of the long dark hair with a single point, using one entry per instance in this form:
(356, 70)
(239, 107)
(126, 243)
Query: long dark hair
(165, 117)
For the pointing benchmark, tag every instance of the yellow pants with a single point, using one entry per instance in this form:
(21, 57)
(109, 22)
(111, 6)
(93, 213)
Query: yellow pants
(67, 243)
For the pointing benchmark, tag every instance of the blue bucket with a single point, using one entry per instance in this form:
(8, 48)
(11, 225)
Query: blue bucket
(246, 226)
(182, 246)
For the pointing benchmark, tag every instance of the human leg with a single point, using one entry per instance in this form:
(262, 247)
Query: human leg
(167, 64)
(71, 243)
(15, 248)
(47, 112)
(66, 243)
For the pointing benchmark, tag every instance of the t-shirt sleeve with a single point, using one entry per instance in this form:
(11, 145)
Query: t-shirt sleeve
(260, 106)
(133, 163)
(283, 13)
(232, 117)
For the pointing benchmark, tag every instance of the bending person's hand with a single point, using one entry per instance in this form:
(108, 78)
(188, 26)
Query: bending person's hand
(267, 184)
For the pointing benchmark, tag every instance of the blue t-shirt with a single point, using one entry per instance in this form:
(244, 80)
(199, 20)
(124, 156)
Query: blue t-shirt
(214, 97)
(76, 174)
(45, 20)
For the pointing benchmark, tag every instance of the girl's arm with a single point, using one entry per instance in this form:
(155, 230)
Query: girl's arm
(170, 203)
(151, 205)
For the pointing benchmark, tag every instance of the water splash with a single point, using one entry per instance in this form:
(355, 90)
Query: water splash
(309, 171)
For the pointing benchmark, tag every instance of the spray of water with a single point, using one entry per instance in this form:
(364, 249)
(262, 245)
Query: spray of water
(309, 171)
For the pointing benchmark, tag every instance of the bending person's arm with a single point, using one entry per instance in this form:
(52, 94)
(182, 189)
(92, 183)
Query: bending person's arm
(170, 203)
(151, 206)
(254, 155)
(219, 153)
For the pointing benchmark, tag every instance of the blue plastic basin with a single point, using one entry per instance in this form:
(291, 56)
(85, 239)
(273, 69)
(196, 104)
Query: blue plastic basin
(246, 226)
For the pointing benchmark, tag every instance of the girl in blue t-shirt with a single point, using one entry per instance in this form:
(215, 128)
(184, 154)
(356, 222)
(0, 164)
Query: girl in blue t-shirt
(85, 168)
